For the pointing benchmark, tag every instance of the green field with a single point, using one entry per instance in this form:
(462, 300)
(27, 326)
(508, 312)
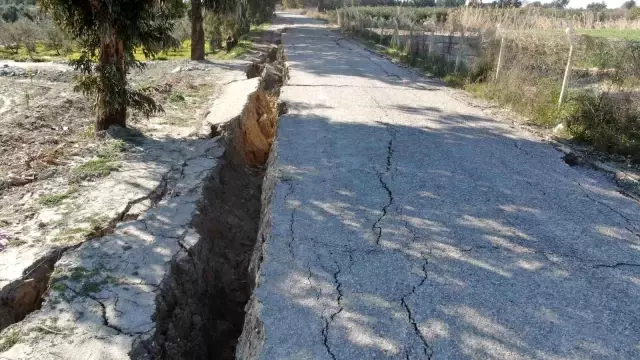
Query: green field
(181, 53)
(625, 34)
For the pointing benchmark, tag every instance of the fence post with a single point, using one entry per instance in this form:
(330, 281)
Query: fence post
(459, 51)
(499, 32)
(567, 71)
(409, 45)
(432, 42)
(396, 34)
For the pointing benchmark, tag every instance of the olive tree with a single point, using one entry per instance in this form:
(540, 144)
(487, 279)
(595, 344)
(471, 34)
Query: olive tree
(220, 7)
(241, 12)
(108, 33)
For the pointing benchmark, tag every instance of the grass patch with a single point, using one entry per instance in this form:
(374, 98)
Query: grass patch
(610, 121)
(242, 48)
(56, 199)
(96, 168)
(107, 161)
(625, 34)
(183, 52)
(9, 339)
(539, 103)
(177, 98)
(92, 280)
(40, 54)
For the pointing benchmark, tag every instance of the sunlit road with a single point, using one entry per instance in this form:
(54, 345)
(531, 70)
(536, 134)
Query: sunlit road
(406, 224)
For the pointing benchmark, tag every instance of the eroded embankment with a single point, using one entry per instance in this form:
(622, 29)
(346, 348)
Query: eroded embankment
(201, 306)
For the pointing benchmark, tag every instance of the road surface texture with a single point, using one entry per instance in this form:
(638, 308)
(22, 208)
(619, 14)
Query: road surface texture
(406, 224)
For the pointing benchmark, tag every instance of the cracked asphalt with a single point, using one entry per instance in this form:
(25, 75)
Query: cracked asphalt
(407, 224)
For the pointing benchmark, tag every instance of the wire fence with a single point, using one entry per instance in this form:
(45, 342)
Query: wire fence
(551, 73)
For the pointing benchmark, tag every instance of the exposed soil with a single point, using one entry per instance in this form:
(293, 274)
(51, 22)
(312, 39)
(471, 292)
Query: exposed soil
(54, 168)
(201, 306)
(200, 312)
(52, 164)
(46, 131)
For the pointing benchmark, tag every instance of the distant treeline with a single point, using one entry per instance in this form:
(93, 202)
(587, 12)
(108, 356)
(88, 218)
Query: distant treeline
(13, 10)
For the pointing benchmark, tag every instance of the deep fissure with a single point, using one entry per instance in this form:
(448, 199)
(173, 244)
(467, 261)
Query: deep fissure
(200, 307)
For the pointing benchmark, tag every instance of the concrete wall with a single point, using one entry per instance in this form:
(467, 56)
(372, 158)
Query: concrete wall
(447, 45)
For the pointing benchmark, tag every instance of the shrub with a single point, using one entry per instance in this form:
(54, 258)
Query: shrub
(611, 121)
(633, 14)
(22, 33)
(54, 38)
(292, 4)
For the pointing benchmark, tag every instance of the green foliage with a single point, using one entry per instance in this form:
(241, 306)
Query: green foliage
(611, 121)
(260, 11)
(55, 39)
(292, 4)
(559, 4)
(633, 14)
(412, 14)
(219, 28)
(12, 11)
(450, 3)
(20, 34)
(110, 31)
(9, 338)
(597, 6)
(53, 200)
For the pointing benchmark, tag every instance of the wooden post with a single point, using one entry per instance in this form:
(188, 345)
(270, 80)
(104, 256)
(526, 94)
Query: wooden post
(567, 71)
(499, 66)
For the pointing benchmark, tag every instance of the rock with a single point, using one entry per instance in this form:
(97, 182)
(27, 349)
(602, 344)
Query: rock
(559, 129)
(572, 159)
(228, 106)
(283, 108)
(254, 70)
(273, 54)
(626, 181)
(272, 77)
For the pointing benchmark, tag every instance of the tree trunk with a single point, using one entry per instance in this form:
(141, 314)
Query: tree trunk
(197, 31)
(322, 7)
(111, 104)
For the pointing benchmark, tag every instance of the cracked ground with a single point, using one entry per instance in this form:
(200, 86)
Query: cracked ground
(406, 224)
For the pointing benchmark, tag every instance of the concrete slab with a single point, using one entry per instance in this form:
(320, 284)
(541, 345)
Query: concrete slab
(228, 105)
(102, 294)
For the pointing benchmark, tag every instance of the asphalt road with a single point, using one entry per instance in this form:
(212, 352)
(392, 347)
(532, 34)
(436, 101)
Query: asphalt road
(407, 224)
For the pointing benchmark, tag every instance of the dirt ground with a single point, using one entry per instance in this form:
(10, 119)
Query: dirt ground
(49, 152)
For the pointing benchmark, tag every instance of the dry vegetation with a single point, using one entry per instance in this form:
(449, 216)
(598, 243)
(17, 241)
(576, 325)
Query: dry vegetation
(602, 106)
(49, 151)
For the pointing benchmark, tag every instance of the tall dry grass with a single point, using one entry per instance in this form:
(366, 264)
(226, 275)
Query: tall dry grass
(536, 48)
